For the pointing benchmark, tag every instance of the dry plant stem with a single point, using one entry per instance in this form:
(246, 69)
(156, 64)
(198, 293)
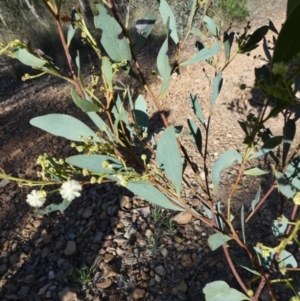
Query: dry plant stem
(261, 285)
(66, 50)
(293, 217)
(229, 60)
(189, 210)
(260, 202)
(264, 112)
(240, 281)
(206, 153)
(233, 269)
(26, 182)
(115, 13)
(241, 171)
(293, 269)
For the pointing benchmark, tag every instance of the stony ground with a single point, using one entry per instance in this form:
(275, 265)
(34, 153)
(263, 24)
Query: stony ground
(110, 245)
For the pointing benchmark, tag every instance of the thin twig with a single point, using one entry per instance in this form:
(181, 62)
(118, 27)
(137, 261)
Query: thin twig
(233, 269)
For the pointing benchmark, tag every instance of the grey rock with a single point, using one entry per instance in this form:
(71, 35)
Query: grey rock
(43, 289)
(3, 269)
(70, 248)
(180, 287)
(87, 212)
(51, 275)
(60, 276)
(112, 210)
(12, 297)
(29, 279)
(98, 237)
(14, 259)
(159, 270)
(23, 292)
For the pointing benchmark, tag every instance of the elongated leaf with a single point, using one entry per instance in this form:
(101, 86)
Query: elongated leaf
(268, 146)
(247, 266)
(254, 39)
(71, 32)
(99, 164)
(272, 27)
(293, 169)
(53, 207)
(244, 126)
(221, 291)
(255, 172)
(207, 211)
(83, 104)
(192, 13)
(289, 131)
(287, 260)
(216, 240)
(107, 71)
(266, 50)
(256, 199)
(167, 14)
(219, 221)
(151, 194)
(296, 85)
(224, 161)
(203, 54)
(288, 41)
(79, 74)
(243, 223)
(291, 4)
(163, 66)
(279, 227)
(130, 99)
(217, 86)
(197, 32)
(120, 114)
(144, 27)
(112, 39)
(285, 185)
(197, 108)
(196, 134)
(72, 27)
(227, 41)
(280, 105)
(168, 157)
(210, 25)
(28, 58)
(64, 126)
(102, 126)
(289, 182)
(140, 113)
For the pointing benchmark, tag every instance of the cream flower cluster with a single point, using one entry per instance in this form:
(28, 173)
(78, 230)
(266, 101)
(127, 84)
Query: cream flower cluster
(36, 198)
(69, 191)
